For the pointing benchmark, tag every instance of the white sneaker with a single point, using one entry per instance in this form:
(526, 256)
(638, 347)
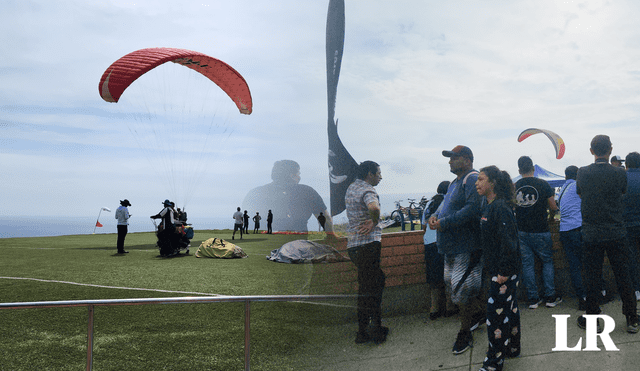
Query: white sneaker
(534, 304)
(638, 295)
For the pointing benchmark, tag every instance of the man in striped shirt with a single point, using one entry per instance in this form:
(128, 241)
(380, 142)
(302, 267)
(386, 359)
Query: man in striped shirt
(364, 246)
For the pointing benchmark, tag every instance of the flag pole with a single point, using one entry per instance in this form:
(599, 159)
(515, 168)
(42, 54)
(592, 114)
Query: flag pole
(97, 221)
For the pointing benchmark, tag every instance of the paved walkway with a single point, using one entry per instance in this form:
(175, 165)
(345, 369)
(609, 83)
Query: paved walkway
(417, 343)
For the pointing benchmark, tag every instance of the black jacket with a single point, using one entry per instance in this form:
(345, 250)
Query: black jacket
(499, 236)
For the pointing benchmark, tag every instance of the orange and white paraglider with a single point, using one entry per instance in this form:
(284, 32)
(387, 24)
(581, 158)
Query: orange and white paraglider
(558, 143)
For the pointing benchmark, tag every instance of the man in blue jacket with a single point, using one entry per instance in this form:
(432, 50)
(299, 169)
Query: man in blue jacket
(458, 226)
(631, 201)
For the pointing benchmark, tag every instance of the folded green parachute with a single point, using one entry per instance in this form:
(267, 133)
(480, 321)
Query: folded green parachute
(219, 248)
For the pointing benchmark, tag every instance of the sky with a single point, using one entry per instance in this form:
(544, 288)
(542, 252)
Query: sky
(418, 77)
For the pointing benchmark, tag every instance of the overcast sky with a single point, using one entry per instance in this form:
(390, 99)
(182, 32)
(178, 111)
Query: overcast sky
(418, 76)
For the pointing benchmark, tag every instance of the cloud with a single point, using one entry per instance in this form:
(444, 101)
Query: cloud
(417, 77)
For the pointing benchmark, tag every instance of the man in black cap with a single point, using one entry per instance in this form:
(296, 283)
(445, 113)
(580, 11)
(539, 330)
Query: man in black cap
(122, 215)
(617, 161)
(458, 226)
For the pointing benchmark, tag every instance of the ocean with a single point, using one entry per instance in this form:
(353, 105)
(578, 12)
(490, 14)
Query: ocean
(46, 226)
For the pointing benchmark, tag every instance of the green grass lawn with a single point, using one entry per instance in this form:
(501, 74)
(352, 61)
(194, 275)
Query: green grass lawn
(152, 337)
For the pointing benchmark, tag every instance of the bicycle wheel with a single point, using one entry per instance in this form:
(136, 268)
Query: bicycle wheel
(398, 217)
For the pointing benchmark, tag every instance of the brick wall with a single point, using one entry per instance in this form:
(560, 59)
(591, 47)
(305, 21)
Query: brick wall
(402, 260)
(403, 264)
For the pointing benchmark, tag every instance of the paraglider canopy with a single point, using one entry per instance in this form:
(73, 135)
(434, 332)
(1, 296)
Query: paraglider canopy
(179, 118)
(127, 69)
(558, 143)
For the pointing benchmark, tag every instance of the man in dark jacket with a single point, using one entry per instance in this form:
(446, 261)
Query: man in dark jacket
(601, 187)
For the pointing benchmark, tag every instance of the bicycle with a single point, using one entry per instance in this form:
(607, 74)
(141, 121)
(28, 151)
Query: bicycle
(398, 214)
(412, 212)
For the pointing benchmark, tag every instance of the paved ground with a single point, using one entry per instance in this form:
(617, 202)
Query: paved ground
(417, 343)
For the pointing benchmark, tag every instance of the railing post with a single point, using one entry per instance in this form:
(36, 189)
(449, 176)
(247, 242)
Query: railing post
(90, 340)
(247, 333)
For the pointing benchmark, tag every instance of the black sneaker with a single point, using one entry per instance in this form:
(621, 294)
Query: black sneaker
(552, 302)
(607, 297)
(512, 352)
(463, 342)
(363, 337)
(435, 315)
(632, 324)
(582, 323)
(478, 320)
(582, 304)
(380, 334)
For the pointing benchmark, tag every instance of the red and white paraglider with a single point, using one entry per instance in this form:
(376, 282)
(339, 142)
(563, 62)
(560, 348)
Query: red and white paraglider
(180, 120)
(558, 143)
(117, 78)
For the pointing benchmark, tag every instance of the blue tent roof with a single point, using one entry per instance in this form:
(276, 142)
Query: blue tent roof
(553, 179)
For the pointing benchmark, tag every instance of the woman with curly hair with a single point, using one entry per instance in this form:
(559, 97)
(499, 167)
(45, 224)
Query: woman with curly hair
(502, 263)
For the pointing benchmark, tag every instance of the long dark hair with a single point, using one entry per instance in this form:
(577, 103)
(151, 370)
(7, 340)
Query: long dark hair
(503, 186)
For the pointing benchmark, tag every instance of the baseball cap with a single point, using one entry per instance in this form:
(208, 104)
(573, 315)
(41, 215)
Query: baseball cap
(617, 158)
(459, 151)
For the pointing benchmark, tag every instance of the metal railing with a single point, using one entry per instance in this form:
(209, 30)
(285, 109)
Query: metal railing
(90, 304)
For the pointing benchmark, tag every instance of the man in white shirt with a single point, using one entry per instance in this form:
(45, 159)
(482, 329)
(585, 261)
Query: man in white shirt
(239, 223)
(122, 215)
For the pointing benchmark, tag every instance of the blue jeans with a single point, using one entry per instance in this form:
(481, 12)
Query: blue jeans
(573, 250)
(633, 241)
(540, 245)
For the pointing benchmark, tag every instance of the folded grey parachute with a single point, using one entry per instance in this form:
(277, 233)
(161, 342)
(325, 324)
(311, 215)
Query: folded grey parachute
(304, 251)
(123, 72)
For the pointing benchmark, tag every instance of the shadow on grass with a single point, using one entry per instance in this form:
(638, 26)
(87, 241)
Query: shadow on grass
(160, 257)
(127, 247)
(236, 241)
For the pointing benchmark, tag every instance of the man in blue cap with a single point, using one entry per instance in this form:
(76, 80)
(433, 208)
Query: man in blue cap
(458, 226)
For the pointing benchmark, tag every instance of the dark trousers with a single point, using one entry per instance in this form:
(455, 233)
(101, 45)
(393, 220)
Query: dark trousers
(122, 233)
(434, 265)
(371, 280)
(619, 255)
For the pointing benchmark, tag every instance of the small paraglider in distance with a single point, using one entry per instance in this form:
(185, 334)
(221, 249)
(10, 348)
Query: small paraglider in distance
(555, 139)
